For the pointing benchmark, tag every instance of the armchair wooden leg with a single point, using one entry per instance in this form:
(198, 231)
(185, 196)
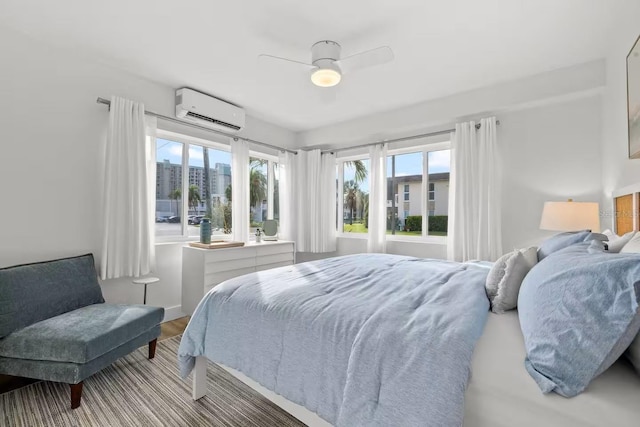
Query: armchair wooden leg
(152, 348)
(76, 394)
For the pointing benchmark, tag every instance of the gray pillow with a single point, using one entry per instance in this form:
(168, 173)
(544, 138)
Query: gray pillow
(561, 241)
(578, 313)
(506, 275)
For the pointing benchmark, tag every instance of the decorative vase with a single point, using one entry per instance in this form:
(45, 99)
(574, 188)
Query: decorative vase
(205, 231)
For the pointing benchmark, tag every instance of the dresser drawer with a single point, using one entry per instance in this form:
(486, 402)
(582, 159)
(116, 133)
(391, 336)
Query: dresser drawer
(273, 248)
(274, 258)
(213, 267)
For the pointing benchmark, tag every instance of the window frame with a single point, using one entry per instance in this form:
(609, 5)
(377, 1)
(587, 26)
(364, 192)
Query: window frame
(187, 140)
(271, 162)
(425, 149)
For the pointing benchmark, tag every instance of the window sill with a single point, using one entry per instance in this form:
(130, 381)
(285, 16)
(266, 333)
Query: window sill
(168, 240)
(361, 236)
(432, 240)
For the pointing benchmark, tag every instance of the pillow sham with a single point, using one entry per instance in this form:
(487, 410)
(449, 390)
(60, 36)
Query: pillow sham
(506, 275)
(578, 313)
(561, 241)
(632, 246)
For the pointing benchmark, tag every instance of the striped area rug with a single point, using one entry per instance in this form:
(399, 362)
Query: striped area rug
(136, 391)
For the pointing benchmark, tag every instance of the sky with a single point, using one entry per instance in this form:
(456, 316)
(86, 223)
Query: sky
(172, 151)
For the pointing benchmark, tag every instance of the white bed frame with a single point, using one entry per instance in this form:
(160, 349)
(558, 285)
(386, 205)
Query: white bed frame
(199, 390)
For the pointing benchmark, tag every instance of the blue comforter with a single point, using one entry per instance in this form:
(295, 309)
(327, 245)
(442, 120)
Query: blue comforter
(362, 340)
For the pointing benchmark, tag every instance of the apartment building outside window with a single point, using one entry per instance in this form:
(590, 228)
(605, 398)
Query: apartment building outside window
(417, 192)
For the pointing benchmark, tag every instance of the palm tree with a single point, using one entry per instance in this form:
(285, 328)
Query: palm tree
(194, 197)
(257, 187)
(351, 190)
(361, 169)
(257, 183)
(207, 183)
(175, 195)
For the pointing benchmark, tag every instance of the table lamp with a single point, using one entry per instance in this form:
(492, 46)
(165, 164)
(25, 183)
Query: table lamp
(570, 216)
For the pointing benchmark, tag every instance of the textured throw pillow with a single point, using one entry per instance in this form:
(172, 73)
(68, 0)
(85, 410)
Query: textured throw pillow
(561, 241)
(578, 312)
(632, 246)
(506, 275)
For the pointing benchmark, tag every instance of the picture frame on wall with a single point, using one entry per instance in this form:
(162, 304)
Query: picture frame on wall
(633, 99)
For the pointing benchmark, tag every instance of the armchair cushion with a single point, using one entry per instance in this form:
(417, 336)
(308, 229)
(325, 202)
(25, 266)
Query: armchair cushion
(30, 293)
(81, 335)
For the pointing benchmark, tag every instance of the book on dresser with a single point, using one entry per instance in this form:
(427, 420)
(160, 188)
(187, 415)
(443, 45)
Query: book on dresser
(202, 269)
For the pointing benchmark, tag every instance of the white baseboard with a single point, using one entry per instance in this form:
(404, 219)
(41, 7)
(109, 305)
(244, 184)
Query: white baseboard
(172, 313)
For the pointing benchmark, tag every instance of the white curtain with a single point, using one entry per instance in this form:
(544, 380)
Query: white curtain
(377, 241)
(474, 194)
(128, 247)
(286, 191)
(315, 201)
(240, 190)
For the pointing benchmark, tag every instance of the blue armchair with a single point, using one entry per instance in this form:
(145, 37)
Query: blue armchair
(55, 325)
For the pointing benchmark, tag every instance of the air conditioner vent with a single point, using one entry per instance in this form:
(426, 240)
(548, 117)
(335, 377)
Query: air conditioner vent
(208, 111)
(211, 120)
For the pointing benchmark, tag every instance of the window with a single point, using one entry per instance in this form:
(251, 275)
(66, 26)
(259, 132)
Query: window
(263, 192)
(417, 192)
(438, 166)
(406, 173)
(203, 174)
(168, 187)
(355, 195)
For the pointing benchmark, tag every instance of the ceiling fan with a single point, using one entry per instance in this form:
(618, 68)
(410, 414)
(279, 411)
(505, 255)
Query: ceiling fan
(326, 65)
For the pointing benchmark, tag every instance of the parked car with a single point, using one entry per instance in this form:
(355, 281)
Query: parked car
(195, 219)
(173, 219)
(162, 219)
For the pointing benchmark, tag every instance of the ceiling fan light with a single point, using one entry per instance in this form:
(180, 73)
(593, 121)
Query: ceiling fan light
(325, 77)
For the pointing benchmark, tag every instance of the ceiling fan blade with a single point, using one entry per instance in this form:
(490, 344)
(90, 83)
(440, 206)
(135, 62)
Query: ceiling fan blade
(270, 59)
(366, 59)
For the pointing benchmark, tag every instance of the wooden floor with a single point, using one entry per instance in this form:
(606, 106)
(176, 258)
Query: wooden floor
(167, 330)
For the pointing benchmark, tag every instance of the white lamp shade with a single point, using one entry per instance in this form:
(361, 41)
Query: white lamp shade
(570, 216)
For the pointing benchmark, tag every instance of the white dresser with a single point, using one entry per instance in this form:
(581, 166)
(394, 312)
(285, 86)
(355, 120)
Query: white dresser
(202, 269)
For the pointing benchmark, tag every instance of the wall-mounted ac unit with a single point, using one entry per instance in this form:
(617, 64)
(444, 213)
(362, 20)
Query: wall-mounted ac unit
(208, 111)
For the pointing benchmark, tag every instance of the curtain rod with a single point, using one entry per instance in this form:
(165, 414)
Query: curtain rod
(228, 135)
(405, 138)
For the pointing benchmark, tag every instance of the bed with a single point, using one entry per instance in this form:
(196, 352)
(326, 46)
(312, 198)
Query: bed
(372, 361)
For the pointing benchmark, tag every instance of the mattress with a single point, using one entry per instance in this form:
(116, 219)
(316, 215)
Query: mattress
(501, 392)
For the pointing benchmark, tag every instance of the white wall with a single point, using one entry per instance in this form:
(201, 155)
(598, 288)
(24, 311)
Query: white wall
(619, 170)
(550, 139)
(50, 149)
(442, 113)
(548, 153)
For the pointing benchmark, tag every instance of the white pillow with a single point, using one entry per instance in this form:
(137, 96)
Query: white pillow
(506, 275)
(616, 244)
(632, 245)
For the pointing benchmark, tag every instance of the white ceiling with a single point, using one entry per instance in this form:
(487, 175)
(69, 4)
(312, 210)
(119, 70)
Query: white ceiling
(441, 47)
